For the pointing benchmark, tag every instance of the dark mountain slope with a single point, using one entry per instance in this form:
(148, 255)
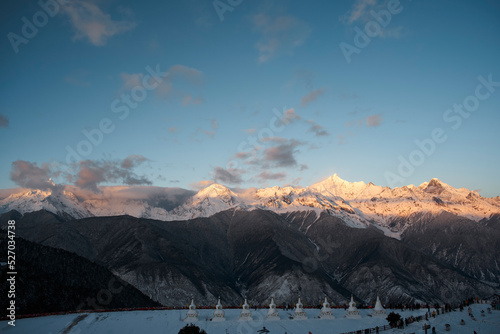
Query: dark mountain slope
(55, 280)
(256, 254)
(471, 247)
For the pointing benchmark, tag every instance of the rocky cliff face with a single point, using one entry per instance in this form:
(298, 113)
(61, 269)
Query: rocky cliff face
(259, 253)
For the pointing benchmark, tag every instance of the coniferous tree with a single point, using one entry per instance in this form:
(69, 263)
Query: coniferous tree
(192, 329)
(393, 318)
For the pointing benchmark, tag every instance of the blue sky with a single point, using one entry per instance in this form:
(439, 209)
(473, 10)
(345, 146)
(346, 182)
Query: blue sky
(250, 93)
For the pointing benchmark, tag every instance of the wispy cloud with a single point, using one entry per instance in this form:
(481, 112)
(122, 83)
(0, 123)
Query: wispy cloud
(91, 173)
(374, 120)
(279, 35)
(282, 155)
(4, 121)
(229, 175)
(317, 129)
(91, 23)
(360, 11)
(265, 176)
(132, 161)
(215, 124)
(250, 131)
(85, 174)
(360, 124)
(29, 175)
(275, 152)
(190, 74)
(200, 185)
(311, 97)
(189, 100)
(78, 78)
(396, 32)
(211, 133)
(177, 76)
(290, 116)
(131, 80)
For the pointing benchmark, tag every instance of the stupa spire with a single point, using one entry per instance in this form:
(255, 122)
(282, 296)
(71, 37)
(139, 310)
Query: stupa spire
(246, 314)
(299, 313)
(352, 312)
(272, 313)
(218, 313)
(191, 315)
(326, 311)
(378, 310)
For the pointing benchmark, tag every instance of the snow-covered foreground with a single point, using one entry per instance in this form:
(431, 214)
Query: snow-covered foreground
(169, 322)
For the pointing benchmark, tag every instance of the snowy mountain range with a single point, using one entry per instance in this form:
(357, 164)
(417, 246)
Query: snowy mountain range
(430, 242)
(358, 204)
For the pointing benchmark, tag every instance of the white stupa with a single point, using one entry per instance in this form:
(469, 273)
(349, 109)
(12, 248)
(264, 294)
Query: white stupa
(378, 310)
(246, 314)
(352, 312)
(218, 313)
(299, 313)
(272, 313)
(192, 315)
(326, 311)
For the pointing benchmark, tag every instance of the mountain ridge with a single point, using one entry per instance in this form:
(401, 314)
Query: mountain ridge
(259, 253)
(358, 204)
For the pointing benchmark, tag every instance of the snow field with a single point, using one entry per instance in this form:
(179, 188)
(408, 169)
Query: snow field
(170, 322)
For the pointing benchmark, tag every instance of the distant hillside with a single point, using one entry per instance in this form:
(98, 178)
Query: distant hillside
(55, 280)
(257, 254)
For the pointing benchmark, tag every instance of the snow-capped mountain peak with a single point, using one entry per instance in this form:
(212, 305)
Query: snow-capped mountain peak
(206, 202)
(336, 186)
(63, 203)
(357, 203)
(215, 190)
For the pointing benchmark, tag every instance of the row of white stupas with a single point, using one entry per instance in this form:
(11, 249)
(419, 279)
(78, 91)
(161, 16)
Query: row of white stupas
(298, 314)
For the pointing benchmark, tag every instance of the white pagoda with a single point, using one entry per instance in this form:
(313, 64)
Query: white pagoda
(352, 312)
(378, 310)
(326, 311)
(218, 313)
(192, 315)
(246, 314)
(299, 313)
(272, 313)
